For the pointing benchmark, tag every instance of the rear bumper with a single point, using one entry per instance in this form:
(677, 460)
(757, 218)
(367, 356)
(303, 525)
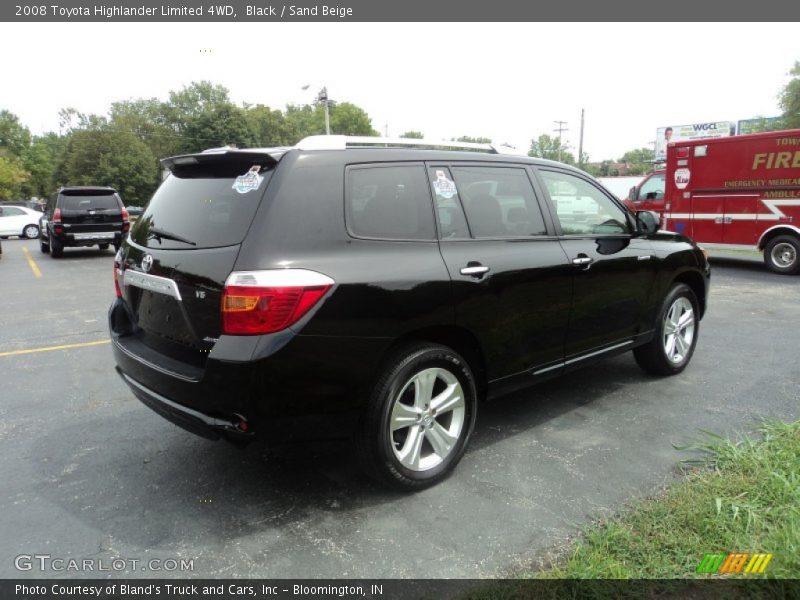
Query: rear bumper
(69, 237)
(211, 428)
(284, 385)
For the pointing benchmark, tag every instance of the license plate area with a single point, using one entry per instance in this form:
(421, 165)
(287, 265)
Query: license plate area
(100, 235)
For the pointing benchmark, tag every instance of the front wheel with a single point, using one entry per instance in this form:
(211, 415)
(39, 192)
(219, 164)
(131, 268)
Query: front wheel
(782, 255)
(676, 332)
(419, 417)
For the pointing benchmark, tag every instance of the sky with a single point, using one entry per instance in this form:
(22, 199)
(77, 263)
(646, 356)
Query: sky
(509, 82)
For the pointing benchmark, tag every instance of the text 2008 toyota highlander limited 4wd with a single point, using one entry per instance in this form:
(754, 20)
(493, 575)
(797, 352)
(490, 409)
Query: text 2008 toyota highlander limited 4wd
(385, 291)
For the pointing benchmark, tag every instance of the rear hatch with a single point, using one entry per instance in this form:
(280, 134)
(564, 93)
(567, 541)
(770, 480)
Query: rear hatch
(182, 249)
(87, 211)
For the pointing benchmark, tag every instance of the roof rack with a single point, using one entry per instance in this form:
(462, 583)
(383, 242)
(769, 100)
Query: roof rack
(342, 142)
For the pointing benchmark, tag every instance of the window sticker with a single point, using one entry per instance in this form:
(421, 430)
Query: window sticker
(249, 181)
(443, 186)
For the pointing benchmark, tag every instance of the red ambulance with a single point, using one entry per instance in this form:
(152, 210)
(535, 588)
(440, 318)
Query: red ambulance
(733, 192)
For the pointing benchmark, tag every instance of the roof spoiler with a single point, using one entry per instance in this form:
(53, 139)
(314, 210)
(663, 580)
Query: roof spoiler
(257, 156)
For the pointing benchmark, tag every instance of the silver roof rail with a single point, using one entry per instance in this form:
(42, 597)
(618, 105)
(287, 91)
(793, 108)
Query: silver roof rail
(342, 142)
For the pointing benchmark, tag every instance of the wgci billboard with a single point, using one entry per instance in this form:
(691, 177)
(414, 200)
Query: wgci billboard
(695, 131)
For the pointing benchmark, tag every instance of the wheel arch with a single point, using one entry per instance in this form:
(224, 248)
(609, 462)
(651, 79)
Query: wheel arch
(697, 284)
(775, 231)
(460, 340)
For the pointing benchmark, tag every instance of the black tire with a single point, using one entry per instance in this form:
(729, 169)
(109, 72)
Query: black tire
(44, 246)
(56, 248)
(782, 255)
(117, 245)
(376, 445)
(652, 357)
(30, 232)
(103, 246)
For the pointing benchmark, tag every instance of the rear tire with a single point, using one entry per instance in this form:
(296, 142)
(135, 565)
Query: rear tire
(676, 332)
(30, 232)
(103, 246)
(419, 417)
(56, 248)
(782, 255)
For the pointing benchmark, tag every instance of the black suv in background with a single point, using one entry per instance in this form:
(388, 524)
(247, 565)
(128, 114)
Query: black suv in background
(384, 291)
(82, 216)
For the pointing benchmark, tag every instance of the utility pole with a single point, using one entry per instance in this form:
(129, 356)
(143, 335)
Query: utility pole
(580, 144)
(323, 98)
(561, 129)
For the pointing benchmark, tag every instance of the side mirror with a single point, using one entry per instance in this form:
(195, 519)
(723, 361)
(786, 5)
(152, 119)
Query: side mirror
(646, 222)
(632, 194)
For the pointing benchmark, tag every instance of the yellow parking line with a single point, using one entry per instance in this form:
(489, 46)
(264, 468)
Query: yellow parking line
(32, 263)
(49, 348)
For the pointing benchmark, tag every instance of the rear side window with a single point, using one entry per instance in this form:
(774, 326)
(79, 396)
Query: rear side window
(210, 205)
(499, 202)
(389, 202)
(89, 202)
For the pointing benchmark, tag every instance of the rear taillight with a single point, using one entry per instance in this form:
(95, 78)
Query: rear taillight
(57, 215)
(257, 302)
(118, 273)
(126, 223)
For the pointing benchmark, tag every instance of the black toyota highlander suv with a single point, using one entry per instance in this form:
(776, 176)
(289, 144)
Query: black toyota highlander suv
(82, 216)
(385, 291)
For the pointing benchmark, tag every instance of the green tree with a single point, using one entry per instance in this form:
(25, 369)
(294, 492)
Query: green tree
(473, 140)
(105, 156)
(546, 146)
(345, 119)
(218, 125)
(195, 99)
(790, 99)
(639, 160)
(12, 178)
(14, 137)
(268, 126)
(40, 159)
(151, 120)
(412, 135)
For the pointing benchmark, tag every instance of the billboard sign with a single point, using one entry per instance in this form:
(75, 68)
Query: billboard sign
(695, 131)
(759, 124)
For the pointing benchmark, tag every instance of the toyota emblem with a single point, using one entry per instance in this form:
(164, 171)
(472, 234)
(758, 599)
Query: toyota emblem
(147, 263)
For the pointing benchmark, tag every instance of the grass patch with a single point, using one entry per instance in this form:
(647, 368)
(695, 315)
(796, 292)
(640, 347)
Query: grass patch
(738, 497)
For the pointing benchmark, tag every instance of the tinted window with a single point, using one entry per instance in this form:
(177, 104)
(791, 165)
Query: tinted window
(211, 205)
(11, 211)
(390, 202)
(452, 222)
(74, 202)
(581, 207)
(499, 202)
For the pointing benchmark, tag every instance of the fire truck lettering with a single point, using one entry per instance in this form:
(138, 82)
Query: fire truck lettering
(777, 160)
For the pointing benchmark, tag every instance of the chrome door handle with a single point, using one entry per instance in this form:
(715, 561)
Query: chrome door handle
(474, 270)
(582, 260)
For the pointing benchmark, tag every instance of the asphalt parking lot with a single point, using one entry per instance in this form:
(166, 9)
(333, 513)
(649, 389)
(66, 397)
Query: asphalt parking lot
(89, 472)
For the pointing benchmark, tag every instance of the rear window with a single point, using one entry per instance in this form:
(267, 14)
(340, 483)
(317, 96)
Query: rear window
(93, 202)
(210, 205)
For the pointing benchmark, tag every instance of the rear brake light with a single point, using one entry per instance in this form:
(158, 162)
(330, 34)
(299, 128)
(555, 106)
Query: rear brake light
(683, 152)
(258, 302)
(57, 215)
(126, 224)
(118, 273)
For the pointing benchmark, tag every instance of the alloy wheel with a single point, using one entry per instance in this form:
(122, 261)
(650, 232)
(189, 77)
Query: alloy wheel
(427, 419)
(679, 328)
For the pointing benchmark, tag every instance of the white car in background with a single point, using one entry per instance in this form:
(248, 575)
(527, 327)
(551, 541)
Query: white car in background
(20, 221)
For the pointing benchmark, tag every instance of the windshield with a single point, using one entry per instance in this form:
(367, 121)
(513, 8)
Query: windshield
(210, 209)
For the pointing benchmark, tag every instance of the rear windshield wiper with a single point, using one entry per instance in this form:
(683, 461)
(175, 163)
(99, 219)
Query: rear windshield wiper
(155, 232)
